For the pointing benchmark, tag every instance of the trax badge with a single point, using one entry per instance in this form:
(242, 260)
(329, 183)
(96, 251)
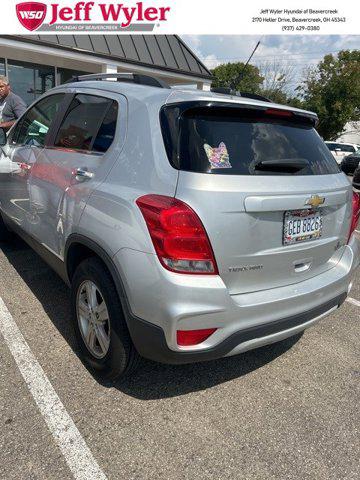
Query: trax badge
(315, 201)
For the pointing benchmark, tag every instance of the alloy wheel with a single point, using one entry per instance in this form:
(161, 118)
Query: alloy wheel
(93, 319)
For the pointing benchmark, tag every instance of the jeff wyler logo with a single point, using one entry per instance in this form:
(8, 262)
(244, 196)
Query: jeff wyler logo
(32, 14)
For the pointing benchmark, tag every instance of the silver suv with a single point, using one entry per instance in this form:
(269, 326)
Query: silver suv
(190, 225)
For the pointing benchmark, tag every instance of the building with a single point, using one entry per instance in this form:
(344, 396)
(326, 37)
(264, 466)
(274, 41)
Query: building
(38, 62)
(351, 133)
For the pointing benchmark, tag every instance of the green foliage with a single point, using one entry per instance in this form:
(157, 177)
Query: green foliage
(249, 79)
(275, 95)
(332, 90)
(238, 77)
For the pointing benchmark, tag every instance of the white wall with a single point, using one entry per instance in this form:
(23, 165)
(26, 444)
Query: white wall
(351, 133)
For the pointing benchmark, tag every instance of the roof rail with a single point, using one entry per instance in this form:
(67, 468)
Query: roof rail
(229, 91)
(122, 77)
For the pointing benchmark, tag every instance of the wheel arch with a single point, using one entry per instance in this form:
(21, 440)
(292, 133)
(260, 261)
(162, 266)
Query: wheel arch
(78, 248)
(79, 243)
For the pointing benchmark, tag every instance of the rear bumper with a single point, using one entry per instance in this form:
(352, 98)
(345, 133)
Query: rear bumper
(151, 343)
(161, 302)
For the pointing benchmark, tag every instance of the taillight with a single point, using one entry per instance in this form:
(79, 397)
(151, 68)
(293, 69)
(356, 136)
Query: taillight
(179, 237)
(193, 337)
(355, 213)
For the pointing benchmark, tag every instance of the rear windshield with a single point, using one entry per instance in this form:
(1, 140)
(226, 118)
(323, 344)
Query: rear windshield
(231, 141)
(339, 146)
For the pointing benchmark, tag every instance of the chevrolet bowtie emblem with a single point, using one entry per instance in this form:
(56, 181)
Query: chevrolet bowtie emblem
(315, 200)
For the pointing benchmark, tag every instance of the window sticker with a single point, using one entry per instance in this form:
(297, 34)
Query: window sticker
(218, 156)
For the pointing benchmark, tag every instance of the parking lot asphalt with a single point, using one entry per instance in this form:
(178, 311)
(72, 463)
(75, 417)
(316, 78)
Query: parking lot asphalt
(285, 411)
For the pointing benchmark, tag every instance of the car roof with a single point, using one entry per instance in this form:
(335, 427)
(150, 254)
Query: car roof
(167, 96)
(342, 143)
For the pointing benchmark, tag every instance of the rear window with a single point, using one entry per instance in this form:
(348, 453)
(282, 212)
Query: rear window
(233, 141)
(339, 146)
(331, 146)
(347, 148)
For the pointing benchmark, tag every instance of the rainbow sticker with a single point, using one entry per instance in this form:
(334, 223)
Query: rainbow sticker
(218, 156)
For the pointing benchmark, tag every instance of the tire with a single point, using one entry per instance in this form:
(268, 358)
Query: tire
(5, 234)
(114, 357)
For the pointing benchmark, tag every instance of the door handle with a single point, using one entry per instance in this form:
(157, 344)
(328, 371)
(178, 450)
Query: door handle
(81, 174)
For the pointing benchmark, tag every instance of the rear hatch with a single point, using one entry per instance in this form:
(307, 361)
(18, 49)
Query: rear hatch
(268, 191)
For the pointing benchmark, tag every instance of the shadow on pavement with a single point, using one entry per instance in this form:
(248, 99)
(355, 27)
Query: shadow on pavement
(152, 380)
(48, 288)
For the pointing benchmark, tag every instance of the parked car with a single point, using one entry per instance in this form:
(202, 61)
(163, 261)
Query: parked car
(350, 163)
(340, 150)
(189, 225)
(356, 180)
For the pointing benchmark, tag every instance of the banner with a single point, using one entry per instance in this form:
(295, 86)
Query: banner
(181, 16)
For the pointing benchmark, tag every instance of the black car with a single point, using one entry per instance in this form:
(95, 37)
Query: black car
(350, 163)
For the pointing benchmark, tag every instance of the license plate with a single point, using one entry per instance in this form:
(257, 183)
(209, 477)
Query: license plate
(302, 226)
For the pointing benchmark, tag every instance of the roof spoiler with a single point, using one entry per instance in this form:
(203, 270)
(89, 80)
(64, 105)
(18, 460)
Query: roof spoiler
(229, 91)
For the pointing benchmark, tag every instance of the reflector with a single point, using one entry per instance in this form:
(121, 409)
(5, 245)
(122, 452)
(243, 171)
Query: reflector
(193, 337)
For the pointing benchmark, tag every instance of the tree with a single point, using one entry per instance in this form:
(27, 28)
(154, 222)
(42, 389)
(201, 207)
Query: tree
(278, 78)
(270, 79)
(332, 90)
(237, 76)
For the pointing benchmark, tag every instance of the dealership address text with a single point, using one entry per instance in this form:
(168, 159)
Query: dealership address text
(298, 20)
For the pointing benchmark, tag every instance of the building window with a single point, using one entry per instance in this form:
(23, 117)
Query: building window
(29, 80)
(65, 74)
(2, 66)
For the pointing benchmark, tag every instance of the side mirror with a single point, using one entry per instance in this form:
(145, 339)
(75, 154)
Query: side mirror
(337, 149)
(3, 138)
(356, 180)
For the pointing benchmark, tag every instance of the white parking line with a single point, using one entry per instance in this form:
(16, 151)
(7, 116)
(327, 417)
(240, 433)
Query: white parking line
(353, 301)
(72, 445)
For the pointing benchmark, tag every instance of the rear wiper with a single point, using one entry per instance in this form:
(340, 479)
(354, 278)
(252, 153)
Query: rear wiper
(289, 165)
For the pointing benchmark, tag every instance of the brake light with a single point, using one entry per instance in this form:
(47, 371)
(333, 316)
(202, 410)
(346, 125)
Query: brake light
(179, 237)
(355, 213)
(278, 113)
(186, 338)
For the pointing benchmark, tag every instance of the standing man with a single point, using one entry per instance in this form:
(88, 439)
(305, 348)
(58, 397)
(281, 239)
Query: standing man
(11, 106)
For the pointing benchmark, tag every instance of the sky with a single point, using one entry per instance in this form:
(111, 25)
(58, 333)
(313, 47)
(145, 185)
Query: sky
(294, 52)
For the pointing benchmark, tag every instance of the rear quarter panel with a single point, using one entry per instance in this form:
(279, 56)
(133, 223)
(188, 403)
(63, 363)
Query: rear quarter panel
(111, 217)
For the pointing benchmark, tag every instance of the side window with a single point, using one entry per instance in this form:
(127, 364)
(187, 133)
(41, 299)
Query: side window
(107, 129)
(36, 122)
(89, 124)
